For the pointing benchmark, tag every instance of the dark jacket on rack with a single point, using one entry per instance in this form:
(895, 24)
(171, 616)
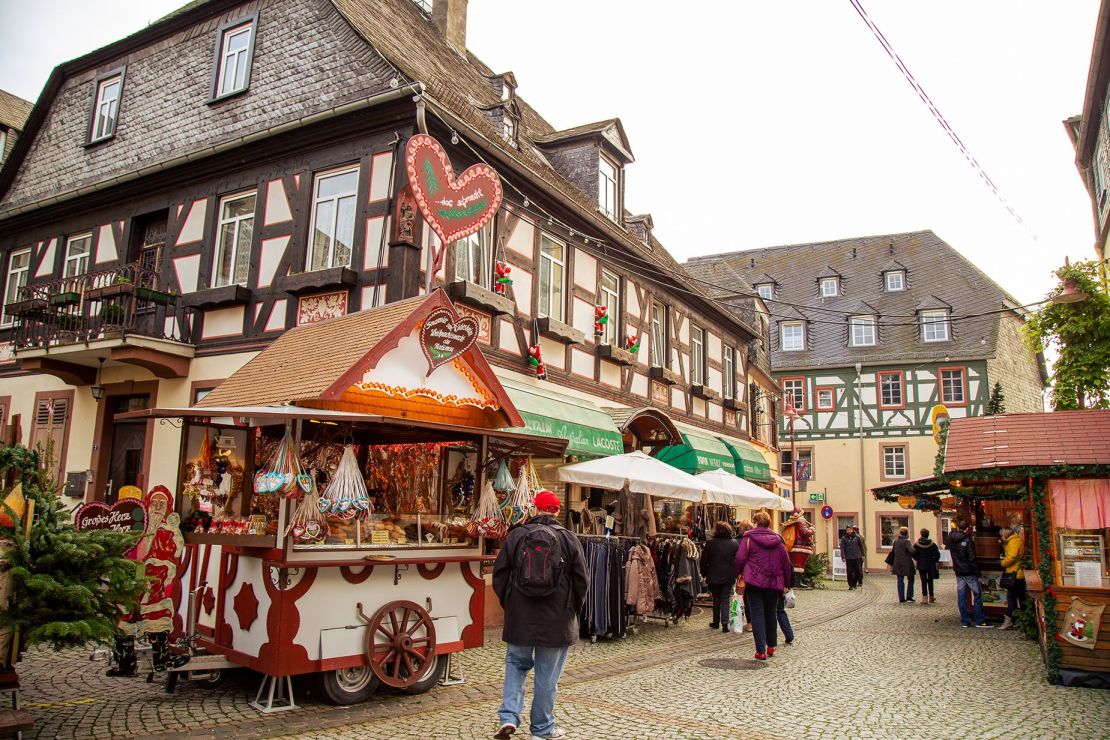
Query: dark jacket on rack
(926, 554)
(964, 560)
(902, 562)
(551, 621)
(718, 560)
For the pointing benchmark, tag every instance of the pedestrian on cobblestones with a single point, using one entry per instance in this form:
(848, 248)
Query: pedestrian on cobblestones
(965, 565)
(1013, 577)
(743, 526)
(851, 552)
(540, 579)
(718, 567)
(926, 555)
(768, 573)
(902, 565)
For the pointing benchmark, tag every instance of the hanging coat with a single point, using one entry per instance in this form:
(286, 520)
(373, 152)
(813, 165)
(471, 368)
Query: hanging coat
(642, 583)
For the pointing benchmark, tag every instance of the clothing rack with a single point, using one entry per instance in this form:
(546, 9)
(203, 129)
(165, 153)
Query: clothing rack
(604, 613)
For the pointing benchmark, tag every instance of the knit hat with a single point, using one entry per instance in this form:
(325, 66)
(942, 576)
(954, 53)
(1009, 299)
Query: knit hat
(547, 501)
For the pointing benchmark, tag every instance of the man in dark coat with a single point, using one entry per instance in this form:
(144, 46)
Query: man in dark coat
(541, 580)
(965, 565)
(718, 566)
(851, 552)
(902, 564)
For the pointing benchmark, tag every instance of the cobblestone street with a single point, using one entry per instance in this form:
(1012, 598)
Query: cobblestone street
(863, 666)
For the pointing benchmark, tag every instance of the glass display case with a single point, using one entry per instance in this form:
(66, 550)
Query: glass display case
(1082, 558)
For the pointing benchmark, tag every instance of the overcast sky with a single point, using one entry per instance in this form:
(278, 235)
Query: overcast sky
(763, 123)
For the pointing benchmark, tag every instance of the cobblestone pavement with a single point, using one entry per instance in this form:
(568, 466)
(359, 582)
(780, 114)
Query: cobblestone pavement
(863, 666)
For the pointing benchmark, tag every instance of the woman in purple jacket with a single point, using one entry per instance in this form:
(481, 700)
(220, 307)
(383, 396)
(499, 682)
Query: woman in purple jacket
(763, 560)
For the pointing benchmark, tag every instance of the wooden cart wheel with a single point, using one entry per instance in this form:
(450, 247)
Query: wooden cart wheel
(401, 643)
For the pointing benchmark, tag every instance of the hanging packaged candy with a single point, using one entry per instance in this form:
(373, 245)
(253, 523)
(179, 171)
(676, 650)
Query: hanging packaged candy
(346, 496)
(503, 481)
(487, 519)
(516, 511)
(283, 474)
(308, 525)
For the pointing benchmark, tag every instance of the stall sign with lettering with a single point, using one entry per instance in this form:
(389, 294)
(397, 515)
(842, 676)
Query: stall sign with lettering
(443, 337)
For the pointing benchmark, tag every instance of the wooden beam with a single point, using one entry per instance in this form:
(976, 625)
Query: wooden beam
(162, 364)
(69, 372)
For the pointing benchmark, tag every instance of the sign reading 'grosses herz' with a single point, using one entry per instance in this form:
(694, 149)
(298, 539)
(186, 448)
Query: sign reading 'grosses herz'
(453, 207)
(444, 337)
(125, 515)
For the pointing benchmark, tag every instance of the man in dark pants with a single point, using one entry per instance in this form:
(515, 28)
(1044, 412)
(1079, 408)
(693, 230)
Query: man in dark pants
(965, 565)
(540, 578)
(851, 552)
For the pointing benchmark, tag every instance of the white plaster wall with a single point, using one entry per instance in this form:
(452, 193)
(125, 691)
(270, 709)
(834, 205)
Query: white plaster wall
(277, 205)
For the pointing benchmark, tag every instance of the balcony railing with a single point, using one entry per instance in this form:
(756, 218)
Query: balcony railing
(126, 300)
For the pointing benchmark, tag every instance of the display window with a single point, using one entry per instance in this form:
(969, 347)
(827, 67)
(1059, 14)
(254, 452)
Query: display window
(1082, 557)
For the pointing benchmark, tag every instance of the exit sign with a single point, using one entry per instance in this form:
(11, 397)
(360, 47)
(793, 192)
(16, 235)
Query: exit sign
(817, 498)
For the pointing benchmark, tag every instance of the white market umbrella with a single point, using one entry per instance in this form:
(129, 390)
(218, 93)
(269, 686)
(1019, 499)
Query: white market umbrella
(739, 492)
(641, 474)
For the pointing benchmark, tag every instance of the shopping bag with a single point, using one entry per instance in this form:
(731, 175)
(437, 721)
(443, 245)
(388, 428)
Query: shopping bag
(736, 615)
(791, 600)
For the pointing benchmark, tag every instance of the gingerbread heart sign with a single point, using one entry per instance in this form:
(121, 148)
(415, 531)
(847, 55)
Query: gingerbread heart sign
(443, 337)
(453, 207)
(125, 515)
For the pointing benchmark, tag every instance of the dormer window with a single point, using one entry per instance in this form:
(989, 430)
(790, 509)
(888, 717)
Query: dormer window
(792, 336)
(106, 108)
(508, 128)
(934, 326)
(895, 281)
(862, 331)
(234, 52)
(766, 291)
(830, 287)
(607, 190)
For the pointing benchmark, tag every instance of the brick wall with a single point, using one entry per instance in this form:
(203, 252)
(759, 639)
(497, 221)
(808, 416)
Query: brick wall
(1016, 367)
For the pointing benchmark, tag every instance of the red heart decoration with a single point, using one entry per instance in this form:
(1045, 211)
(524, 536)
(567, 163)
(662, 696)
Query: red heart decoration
(443, 337)
(454, 208)
(127, 515)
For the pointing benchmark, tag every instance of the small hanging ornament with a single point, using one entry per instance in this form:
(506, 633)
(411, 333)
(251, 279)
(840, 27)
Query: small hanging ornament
(346, 496)
(284, 474)
(601, 318)
(503, 280)
(632, 343)
(503, 481)
(535, 359)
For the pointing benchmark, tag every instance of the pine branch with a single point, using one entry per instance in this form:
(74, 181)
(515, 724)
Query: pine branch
(431, 184)
(452, 214)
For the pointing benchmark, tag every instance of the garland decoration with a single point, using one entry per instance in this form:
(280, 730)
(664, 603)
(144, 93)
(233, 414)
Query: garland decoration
(1044, 545)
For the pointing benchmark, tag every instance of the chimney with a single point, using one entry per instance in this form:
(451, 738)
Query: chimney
(450, 18)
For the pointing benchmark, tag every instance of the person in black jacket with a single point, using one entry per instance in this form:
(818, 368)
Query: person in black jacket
(718, 567)
(926, 555)
(540, 579)
(965, 564)
(851, 552)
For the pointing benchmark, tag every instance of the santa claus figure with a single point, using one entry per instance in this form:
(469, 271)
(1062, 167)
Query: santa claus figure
(798, 534)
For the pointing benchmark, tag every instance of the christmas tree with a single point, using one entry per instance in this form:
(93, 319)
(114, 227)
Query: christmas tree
(69, 587)
(997, 402)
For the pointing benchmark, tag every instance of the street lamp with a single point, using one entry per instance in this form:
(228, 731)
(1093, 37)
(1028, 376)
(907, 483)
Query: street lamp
(793, 416)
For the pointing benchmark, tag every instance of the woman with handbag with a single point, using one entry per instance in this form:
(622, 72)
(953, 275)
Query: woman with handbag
(926, 554)
(768, 574)
(1013, 577)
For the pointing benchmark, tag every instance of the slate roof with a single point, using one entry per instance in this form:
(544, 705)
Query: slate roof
(1018, 440)
(13, 110)
(936, 275)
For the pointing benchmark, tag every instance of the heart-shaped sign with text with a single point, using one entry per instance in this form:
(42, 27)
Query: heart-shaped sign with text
(444, 337)
(453, 207)
(126, 515)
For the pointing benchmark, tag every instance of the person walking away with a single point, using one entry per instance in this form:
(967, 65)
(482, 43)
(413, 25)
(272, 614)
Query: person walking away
(718, 567)
(784, 621)
(902, 564)
(741, 527)
(763, 560)
(540, 579)
(965, 565)
(851, 552)
(926, 555)
(1013, 577)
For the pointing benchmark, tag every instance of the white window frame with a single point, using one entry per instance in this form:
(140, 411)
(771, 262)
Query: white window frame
(890, 286)
(728, 365)
(1098, 165)
(947, 384)
(551, 303)
(697, 355)
(832, 399)
(766, 291)
(471, 249)
(608, 190)
(796, 394)
(77, 264)
(863, 332)
(234, 223)
(835, 287)
(893, 456)
(883, 385)
(508, 127)
(11, 289)
(933, 320)
(104, 127)
(610, 286)
(658, 334)
(335, 200)
(241, 58)
(3, 142)
(791, 346)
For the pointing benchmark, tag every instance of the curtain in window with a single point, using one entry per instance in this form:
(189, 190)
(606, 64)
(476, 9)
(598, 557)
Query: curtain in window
(1080, 504)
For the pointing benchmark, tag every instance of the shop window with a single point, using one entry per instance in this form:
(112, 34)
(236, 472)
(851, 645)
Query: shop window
(235, 235)
(552, 277)
(333, 219)
(889, 524)
(1081, 520)
(891, 390)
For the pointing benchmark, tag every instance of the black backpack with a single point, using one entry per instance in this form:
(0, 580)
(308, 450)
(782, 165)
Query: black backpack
(540, 561)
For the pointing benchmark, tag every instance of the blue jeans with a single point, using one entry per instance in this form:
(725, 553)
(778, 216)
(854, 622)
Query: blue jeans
(784, 621)
(963, 583)
(548, 663)
(903, 593)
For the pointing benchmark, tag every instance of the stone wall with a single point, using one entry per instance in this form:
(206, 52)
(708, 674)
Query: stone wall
(1017, 368)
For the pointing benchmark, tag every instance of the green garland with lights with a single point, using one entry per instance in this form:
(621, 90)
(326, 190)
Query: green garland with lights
(1044, 545)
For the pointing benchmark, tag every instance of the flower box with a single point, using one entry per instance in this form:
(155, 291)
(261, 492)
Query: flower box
(155, 296)
(110, 291)
(65, 298)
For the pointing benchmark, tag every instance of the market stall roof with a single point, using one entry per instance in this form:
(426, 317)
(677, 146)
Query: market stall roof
(750, 464)
(507, 441)
(414, 358)
(740, 492)
(588, 431)
(698, 452)
(891, 491)
(1025, 440)
(641, 473)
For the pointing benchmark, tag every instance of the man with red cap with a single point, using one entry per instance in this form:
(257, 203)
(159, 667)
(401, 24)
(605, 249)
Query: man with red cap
(540, 578)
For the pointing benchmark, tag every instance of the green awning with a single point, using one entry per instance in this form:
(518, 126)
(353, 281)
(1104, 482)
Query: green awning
(589, 431)
(697, 454)
(750, 464)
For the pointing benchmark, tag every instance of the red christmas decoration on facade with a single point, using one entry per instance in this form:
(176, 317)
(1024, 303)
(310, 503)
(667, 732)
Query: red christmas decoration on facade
(601, 318)
(535, 359)
(503, 280)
